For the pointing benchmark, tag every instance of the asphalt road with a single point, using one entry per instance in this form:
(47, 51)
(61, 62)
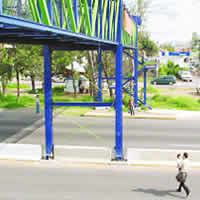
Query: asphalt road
(138, 133)
(30, 181)
(24, 126)
(183, 84)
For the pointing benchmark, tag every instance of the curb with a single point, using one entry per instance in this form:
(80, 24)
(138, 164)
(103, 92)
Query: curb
(132, 117)
(90, 163)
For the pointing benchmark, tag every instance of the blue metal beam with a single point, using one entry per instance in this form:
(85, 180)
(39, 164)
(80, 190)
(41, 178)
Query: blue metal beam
(100, 93)
(114, 15)
(150, 67)
(113, 78)
(119, 89)
(82, 104)
(141, 71)
(126, 82)
(136, 70)
(33, 26)
(142, 102)
(61, 13)
(108, 19)
(101, 18)
(50, 8)
(129, 55)
(48, 102)
(76, 12)
(145, 87)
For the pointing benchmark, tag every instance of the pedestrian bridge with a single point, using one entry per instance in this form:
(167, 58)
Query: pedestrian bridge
(73, 24)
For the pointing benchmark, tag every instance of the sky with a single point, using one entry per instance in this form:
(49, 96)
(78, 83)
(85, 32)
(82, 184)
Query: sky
(173, 20)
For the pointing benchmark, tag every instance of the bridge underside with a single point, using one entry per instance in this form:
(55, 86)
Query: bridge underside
(15, 30)
(18, 30)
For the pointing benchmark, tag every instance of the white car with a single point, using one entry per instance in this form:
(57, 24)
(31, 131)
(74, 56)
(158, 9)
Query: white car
(186, 76)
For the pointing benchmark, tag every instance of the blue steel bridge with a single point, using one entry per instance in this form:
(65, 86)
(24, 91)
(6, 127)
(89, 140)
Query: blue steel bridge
(101, 25)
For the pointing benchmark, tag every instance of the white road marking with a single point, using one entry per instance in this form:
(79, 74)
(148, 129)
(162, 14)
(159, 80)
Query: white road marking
(185, 145)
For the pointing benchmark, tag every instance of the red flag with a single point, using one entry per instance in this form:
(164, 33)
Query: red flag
(128, 23)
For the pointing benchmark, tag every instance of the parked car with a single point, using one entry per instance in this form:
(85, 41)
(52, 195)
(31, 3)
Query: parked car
(167, 79)
(186, 76)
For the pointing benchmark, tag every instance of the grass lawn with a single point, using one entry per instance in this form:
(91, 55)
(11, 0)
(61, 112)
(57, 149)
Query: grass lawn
(157, 98)
(14, 86)
(172, 102)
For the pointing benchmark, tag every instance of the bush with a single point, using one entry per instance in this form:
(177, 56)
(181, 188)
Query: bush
(151, 89)
(181, 102)
(169, 69)
(10, 101)
(14, 86)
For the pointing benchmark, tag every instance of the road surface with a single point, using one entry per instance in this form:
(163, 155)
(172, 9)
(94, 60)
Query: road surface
(30, 181)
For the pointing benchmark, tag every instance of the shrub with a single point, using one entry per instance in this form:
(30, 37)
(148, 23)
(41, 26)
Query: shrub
(14, 86)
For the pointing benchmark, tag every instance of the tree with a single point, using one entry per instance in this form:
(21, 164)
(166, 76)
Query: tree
(5, 75)
(139, 8)
(169, 69)
(109, 68)
(168, 46)
(148, 45)
(33, 62)
(5, 69)
(195, 39)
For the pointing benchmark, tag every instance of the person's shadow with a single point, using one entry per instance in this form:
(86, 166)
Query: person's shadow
(159, 193)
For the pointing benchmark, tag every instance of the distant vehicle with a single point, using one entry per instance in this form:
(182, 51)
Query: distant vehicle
(167, 79)
(185, 76)
(58, 79)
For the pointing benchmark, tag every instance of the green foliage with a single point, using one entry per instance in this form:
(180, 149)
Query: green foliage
(151, 89)
(146, 44)
(169, 69)
(14, 86)
(168, 47)
(194, 42)
(169, 102)
(6, 69)
(10, 102)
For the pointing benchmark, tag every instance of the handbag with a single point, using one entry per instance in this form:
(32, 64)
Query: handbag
(181, 177)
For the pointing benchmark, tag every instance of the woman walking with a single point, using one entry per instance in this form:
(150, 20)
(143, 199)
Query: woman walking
(131, 106)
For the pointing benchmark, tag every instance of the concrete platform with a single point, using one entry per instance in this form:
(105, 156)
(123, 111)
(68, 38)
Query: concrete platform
(160, 157)
(26, 152)
(126, 115)
(83, 154)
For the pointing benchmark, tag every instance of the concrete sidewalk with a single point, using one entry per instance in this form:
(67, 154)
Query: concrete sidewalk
(164, 114)
(98, 155)
(32, 132)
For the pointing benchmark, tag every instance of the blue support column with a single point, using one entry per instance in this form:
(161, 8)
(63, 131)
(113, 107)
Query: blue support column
(136, 70)
(76, 12)
(145, 87)
(100, 93)
(119, 90)
(48, 102)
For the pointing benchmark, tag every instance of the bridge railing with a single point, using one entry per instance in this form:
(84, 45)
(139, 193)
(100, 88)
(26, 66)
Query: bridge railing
(95, 18)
